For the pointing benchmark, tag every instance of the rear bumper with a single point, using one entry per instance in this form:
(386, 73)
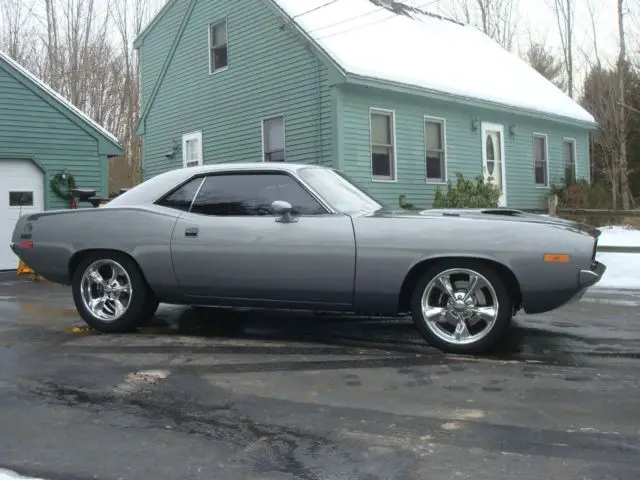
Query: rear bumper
(545, 301)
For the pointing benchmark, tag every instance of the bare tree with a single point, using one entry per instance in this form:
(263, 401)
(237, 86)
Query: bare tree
(622, 64)
(16, 34)
(565, 14)
(605, 96)
(496, 18)
(129, 17)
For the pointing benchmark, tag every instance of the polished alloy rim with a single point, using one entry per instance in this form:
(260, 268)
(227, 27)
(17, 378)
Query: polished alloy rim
(106, 290)
(459, 306)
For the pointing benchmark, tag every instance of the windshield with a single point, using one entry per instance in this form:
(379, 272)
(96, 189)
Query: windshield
(340, 191)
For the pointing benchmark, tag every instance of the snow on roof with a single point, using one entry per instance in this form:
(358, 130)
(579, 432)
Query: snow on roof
(409, 46)
(66, 103)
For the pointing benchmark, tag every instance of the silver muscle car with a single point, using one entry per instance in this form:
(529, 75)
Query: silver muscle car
(287, 236)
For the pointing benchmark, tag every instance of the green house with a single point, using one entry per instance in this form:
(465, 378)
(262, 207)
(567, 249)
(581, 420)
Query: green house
(399, 99)
(42, 137)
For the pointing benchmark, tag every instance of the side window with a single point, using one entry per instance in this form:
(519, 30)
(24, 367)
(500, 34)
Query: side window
(181, 199)
(251, 194)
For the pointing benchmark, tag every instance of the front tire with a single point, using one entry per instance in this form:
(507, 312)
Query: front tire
(110, 293)
(462, 307)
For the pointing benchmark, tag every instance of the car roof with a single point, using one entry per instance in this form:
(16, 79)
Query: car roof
(150, 190)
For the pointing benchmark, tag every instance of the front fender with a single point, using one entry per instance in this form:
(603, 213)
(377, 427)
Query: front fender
(388, 249)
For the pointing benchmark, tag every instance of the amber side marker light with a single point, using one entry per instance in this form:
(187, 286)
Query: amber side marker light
(556, 258)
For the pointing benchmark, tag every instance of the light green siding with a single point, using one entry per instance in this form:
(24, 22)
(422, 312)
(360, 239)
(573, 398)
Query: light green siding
(271, 72)
(32, 128)
(159, 41)
(463, 146)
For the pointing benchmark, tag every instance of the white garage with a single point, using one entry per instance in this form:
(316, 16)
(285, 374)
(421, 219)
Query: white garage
(21, 191)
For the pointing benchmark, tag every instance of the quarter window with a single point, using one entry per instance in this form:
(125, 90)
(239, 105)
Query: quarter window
(273, 139)
(181, 198)
(382, 147)
(569, 160)
(21, 199)
(217, 46)
(540, 159)
(251, 194)
(435, 151)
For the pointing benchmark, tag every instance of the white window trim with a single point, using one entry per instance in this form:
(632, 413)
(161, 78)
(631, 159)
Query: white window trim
(575, 156)
(284, 135)
(546, 156)
(443, 121)
(209, 27)
(191, 136)
(394, 146)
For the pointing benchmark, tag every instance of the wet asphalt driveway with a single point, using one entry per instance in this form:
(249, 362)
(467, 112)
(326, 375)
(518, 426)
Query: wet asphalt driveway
(315, 397)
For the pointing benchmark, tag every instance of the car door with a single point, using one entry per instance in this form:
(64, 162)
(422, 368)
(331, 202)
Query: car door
(230, 245)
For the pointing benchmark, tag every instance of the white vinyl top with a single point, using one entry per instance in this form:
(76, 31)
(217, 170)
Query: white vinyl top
(66, 103)
(420, 50)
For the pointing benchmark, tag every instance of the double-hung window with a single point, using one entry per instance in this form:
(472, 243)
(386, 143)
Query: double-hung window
(434, 137)
(273, 139)
(382, 145)
(540, 160)
(569, 149)
(192, 149)
(218, 46)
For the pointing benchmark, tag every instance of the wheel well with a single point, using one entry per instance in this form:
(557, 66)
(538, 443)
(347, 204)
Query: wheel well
(412, 278)
(77, 257)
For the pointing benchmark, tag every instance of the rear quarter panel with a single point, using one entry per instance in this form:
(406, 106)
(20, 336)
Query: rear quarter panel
(388, 248)
(143, 233)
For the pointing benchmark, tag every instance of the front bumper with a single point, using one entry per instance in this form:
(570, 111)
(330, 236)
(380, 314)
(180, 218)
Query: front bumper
(588, 278)
(547, 300)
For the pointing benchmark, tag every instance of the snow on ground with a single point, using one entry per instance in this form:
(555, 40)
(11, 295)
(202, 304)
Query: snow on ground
(623, 269)
(9, 475)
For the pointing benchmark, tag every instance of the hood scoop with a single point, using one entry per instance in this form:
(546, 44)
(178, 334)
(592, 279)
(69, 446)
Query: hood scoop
(456, 212)
(508, 212)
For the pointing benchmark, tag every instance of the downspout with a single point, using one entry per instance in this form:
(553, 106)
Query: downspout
(319, 132)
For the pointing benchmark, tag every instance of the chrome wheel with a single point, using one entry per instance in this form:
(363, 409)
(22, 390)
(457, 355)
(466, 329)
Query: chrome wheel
(459, 306)
(106, 290)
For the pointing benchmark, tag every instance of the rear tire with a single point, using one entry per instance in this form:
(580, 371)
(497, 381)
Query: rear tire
(456, 322)
(110, 293)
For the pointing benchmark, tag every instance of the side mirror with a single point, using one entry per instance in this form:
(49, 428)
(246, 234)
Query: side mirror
(281, 207)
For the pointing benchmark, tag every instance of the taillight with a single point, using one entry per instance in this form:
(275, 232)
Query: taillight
(25, 244)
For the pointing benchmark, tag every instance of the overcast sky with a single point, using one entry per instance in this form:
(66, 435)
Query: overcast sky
(537, 17)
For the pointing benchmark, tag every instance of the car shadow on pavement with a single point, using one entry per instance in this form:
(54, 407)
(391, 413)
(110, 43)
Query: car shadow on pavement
(392, 334)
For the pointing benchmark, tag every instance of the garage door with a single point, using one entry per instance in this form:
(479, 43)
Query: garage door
(21, 191)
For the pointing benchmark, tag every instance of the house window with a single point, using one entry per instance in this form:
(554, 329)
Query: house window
(434, 135)
(540, 159)
(21, 199)
(217, 46)
(192, 149)
(273, 139)
(382, 145)
(569, 148)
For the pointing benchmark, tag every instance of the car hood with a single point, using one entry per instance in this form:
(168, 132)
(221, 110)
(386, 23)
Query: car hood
(492, 214)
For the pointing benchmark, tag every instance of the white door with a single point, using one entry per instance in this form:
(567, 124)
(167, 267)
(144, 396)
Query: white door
(493, 161)
(21, 191)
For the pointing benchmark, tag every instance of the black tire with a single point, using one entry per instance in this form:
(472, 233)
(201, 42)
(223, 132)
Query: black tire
(142, 305)
(495, 334)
